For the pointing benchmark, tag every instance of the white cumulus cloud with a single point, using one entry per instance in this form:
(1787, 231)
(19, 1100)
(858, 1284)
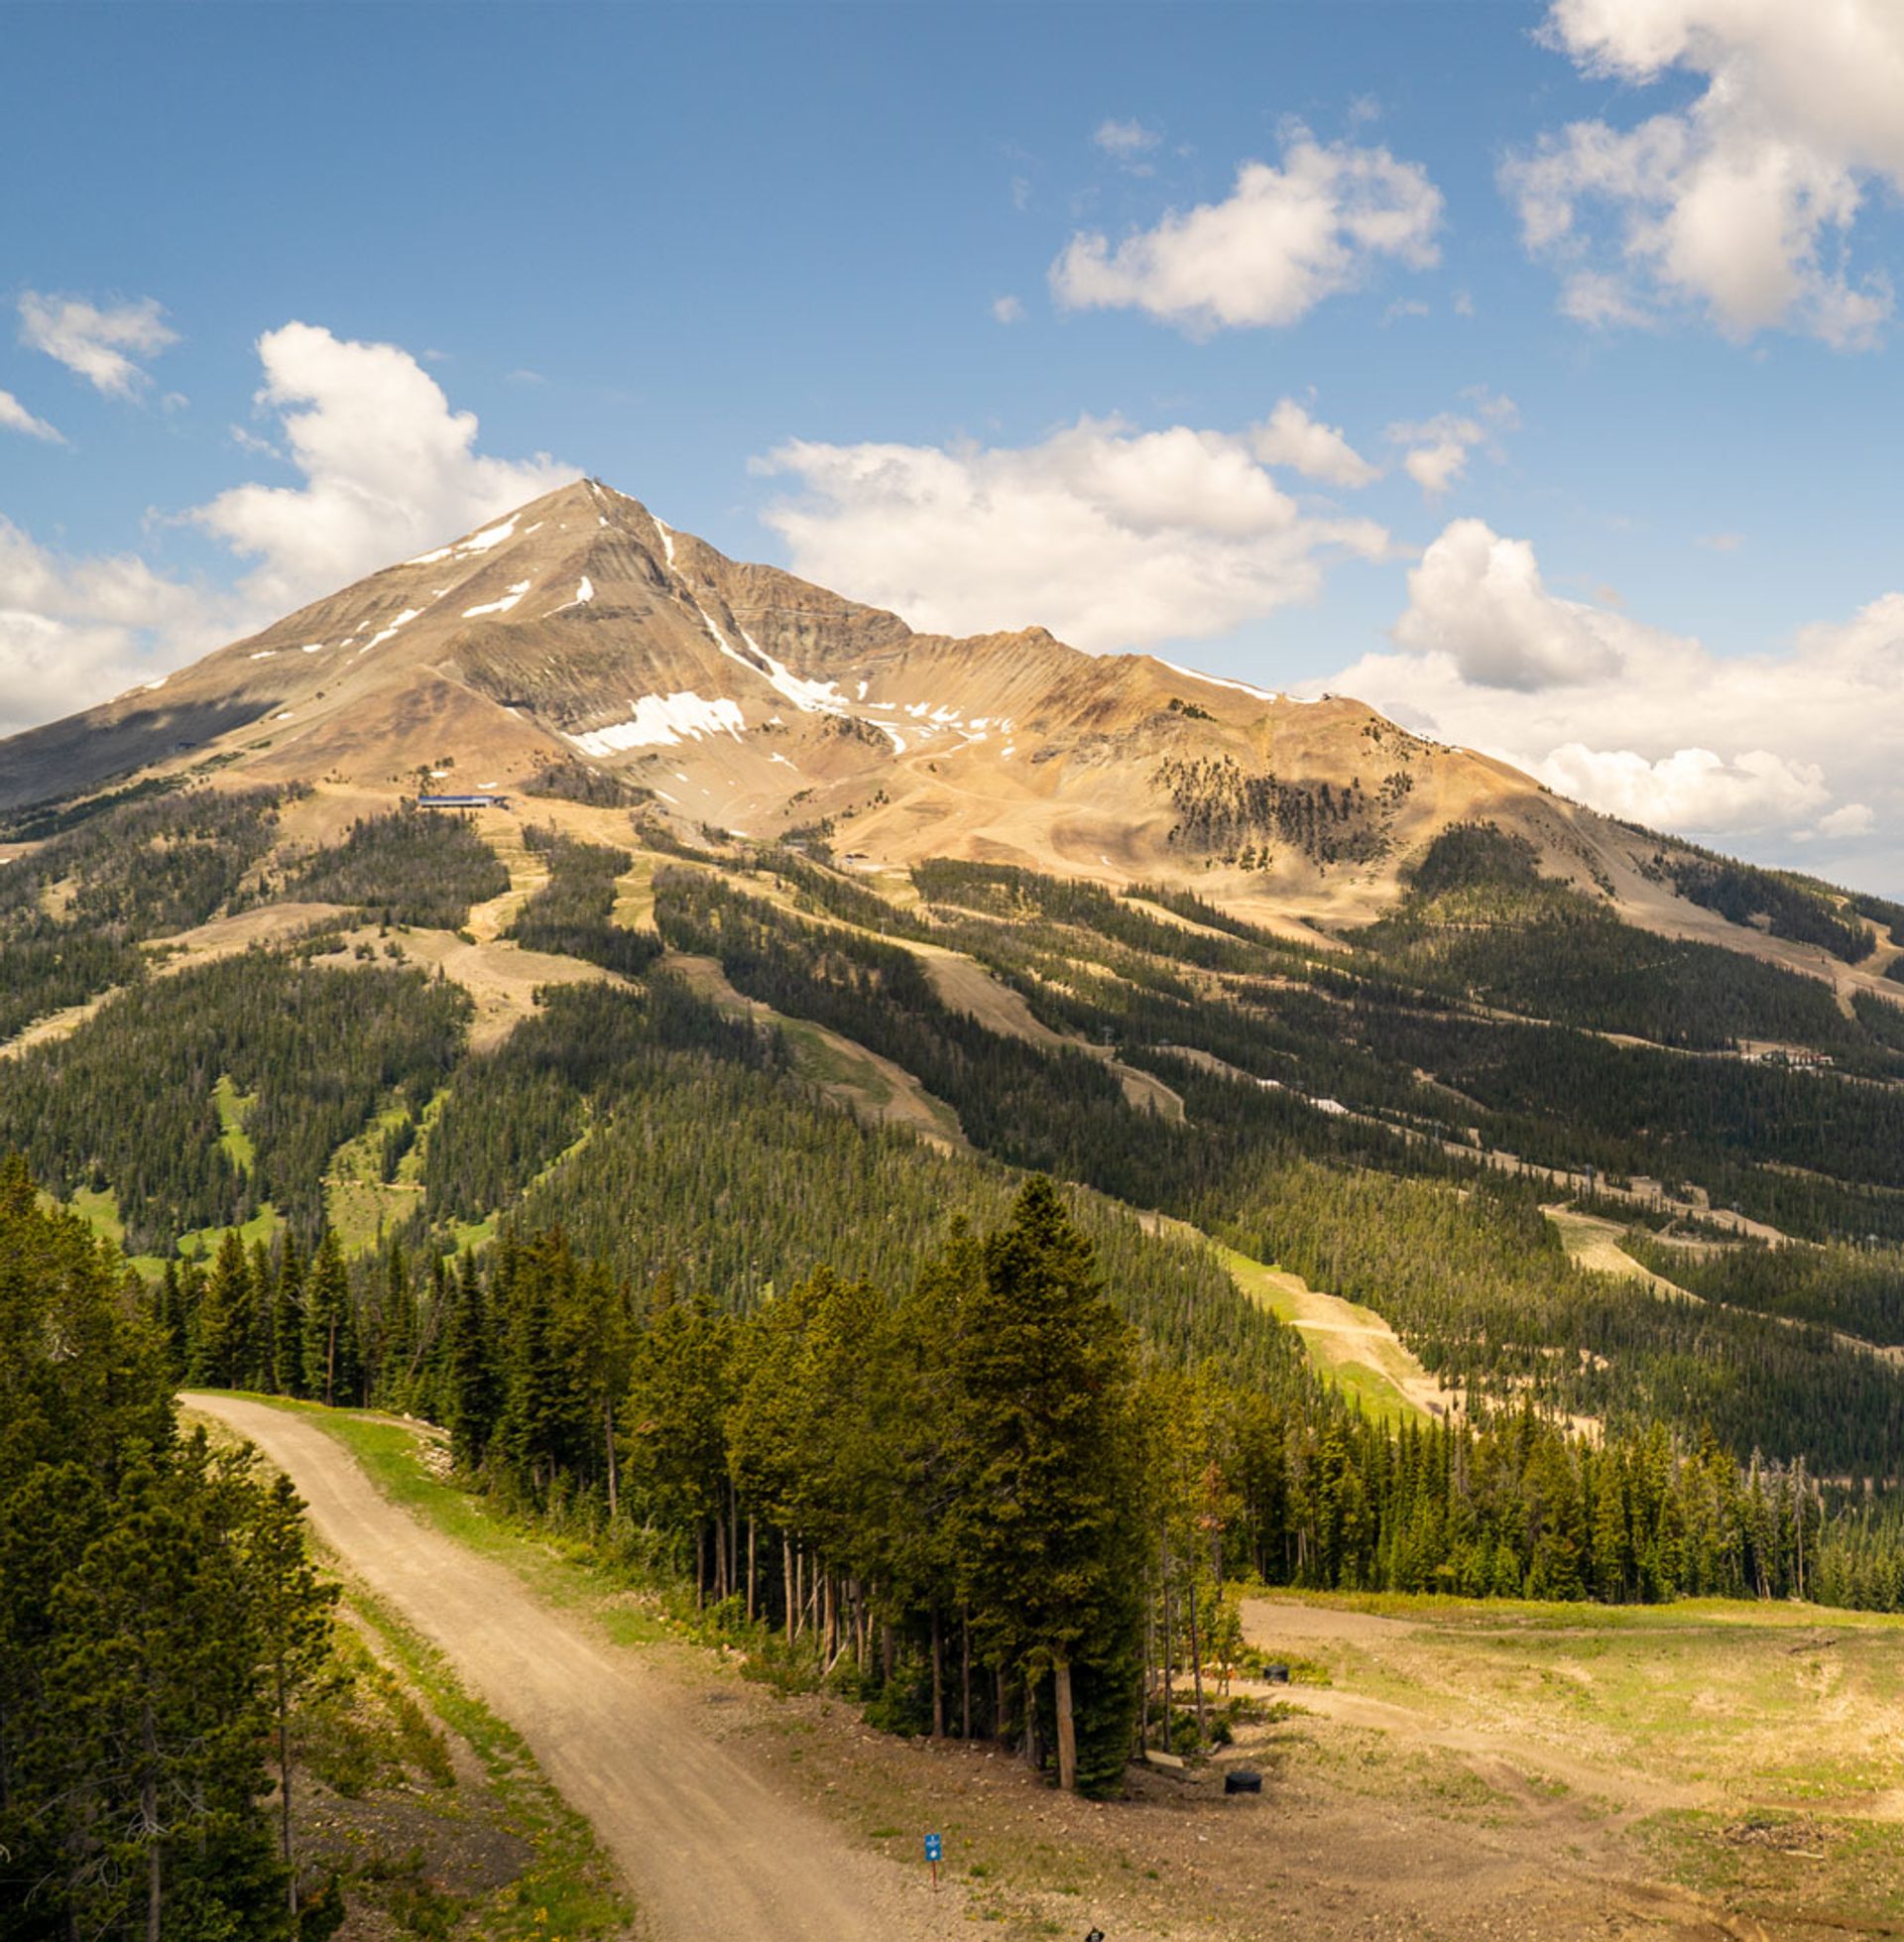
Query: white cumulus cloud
(1743, 202)
(1290, 436)
(387, 468)
(75, 631)
(1110, 537)
(1782, 748)
(1438, 448)
(102, 347)
(1477, 600)
(14, 417)
(1285, 239)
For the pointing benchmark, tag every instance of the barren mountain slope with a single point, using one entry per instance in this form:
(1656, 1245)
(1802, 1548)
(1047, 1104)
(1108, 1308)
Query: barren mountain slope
(582, 631)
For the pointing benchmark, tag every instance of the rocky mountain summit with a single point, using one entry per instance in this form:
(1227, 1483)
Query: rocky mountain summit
(584, 642)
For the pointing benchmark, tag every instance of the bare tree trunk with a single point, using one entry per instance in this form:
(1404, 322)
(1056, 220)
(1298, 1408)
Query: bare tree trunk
(608, 1442)
(998, 1703)
(1032, 1751)
(1169, 1648)
(1067, 1727)
(700, 1562)
(720, 1554)
(827, 1618)
(148, 1812)
(1196, 1665)
(749, 1567)
(786, 1581)
(284, 1780)
(938, 1678)
(1150, 1660)
(965, 1674)
(800, 1588)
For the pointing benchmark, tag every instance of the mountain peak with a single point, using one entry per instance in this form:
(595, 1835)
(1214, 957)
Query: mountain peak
(580, 632)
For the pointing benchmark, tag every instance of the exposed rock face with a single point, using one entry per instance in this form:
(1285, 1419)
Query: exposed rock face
(582, 629)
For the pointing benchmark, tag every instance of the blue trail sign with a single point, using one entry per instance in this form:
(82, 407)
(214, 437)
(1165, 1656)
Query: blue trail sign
(934, 1848)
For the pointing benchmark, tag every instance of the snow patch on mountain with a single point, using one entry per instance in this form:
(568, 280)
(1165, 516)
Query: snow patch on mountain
(501, 606)
(663, 720)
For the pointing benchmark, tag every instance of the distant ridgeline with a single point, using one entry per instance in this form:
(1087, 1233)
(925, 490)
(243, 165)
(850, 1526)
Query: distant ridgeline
(652, 1257)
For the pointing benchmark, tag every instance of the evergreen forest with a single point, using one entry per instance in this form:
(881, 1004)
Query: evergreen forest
(985, 1428)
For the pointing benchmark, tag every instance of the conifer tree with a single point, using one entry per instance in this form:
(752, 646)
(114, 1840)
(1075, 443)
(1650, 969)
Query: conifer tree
(287, 1321)
(222, 1335)
(471, 1380)
(330, 1363)
(292, 1608)
(1044, 1369)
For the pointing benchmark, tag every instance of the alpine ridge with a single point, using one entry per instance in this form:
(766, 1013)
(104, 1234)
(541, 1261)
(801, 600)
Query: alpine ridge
(583, 640)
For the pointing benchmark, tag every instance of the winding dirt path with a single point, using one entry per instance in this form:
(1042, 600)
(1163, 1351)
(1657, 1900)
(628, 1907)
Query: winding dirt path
(707, 1847)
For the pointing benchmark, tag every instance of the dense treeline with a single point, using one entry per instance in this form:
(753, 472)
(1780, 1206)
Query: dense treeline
(418, 867)
(1791, 907)
(1480, 1287)
(572, 914)
(317, 1048)
(1477, 1284)
(73, 912)
(1857, 1289)
(1033, 1109)
(588, 1051)
(1479, 919)
(967, 1496)
(626, 1084)
(159, 1618)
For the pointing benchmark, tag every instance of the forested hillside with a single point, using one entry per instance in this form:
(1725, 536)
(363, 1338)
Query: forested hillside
(641, 1242)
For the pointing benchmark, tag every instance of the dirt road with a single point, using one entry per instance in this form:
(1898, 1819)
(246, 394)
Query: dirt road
(708, 1849)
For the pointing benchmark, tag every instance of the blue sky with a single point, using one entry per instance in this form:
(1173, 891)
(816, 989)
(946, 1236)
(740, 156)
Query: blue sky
(1594, 297)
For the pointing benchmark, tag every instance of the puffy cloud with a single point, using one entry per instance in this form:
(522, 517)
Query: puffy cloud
(1290, 436)
(1007, 309)
(1111, 537)
(1284, 240)
(1479, 600)
(101, 346)
(1780, 749)
(14, 417)
(73, 631)
(1435, 467)
(1851, 820)
(1690, 789)
(389, 468)
(1438, 448)
(1743, 201)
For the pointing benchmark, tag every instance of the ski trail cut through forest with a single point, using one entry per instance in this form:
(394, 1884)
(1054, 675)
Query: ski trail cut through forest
(707, 1847)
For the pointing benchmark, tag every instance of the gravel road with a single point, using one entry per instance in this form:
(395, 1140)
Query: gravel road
(707, 1847)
